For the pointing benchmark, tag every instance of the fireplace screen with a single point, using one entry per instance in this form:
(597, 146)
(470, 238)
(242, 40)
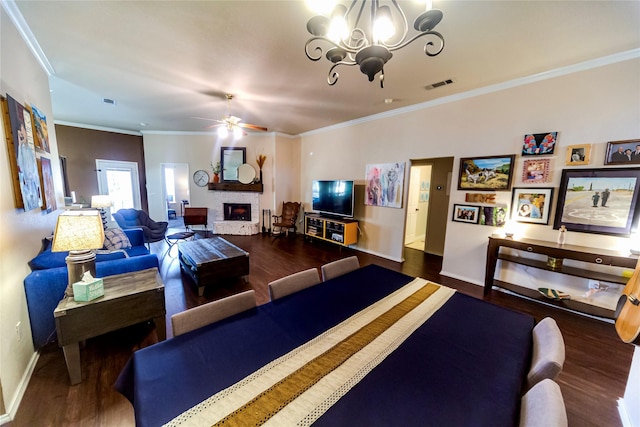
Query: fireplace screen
(237, 211)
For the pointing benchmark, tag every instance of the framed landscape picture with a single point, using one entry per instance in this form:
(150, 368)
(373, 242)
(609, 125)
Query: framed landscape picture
(486, 173)
(466, 213)
(531, 205)
(623, 152)
(535, 144)
(603, 201)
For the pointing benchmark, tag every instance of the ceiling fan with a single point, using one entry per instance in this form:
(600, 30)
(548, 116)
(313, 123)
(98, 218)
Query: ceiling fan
(231, 124)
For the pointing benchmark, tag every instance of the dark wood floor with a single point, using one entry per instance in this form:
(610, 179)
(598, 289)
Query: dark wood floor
(593, 378)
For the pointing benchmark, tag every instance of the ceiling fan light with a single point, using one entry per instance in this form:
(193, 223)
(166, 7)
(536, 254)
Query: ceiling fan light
(237, 132)
(223, 132)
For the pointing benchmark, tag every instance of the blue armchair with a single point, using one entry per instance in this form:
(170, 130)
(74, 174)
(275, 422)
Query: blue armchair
(154, 231)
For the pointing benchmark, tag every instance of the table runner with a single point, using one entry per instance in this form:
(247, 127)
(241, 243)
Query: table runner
(327, 366)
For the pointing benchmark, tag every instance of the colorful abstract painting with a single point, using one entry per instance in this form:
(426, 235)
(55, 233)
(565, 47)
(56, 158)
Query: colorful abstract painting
(384, 185)
(40, 125)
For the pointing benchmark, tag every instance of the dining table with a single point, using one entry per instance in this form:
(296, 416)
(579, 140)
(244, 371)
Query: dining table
(465, 364)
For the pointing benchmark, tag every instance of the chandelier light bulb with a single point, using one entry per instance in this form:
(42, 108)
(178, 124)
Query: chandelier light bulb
(338, 28)
(383, 28)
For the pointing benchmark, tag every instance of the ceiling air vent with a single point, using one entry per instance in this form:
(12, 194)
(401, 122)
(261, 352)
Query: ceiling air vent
(109, 101)
(439, 84)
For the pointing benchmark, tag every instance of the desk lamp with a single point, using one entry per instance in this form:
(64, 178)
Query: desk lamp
(78, 232)
(101, 202)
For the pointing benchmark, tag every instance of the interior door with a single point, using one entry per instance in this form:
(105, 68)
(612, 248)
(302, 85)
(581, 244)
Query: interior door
(412, 206)
(121, 181)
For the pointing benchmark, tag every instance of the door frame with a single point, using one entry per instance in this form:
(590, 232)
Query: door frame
(102, 165)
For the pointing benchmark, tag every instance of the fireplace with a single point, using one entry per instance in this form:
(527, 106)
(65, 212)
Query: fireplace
(237, 211)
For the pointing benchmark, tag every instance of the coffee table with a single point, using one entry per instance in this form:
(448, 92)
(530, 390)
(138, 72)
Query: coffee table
(208, 261)
(128, 299)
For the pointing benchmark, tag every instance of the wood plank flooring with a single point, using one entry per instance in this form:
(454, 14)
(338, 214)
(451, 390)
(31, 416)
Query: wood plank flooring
(593, 378)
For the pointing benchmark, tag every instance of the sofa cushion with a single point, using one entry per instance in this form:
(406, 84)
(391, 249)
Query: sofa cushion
(115, 238)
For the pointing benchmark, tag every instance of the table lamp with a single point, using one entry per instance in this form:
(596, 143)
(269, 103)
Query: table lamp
(100, 202)
(78, 232)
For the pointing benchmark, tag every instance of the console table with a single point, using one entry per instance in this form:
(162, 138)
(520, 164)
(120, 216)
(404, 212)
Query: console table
(553, 250)
(128, 299)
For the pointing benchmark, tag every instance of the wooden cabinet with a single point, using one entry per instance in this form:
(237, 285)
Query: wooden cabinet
(342, 232)
(600, 265)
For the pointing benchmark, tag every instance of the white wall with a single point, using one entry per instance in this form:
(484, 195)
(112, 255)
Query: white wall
(587, 107)
(198, 150)
(20, 232)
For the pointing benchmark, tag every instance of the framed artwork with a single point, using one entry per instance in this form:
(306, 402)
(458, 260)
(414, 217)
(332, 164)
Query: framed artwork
(25, 156)
(603, 201)
(495, 216)
(480, 198)
(230, 160)
(384, 184)
(623, 152)
(40, 129)
(578, 155)
(531, 205)
(486, 173)
(535, 171)
(466, 213)
(46, 182)
(535, 144)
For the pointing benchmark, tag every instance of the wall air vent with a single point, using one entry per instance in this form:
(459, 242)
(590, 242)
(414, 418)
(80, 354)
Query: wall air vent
(109, 101)
(439, 84)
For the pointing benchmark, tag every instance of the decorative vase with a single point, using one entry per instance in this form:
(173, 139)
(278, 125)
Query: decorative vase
(261, 176)
(216, 178)
(562, 235)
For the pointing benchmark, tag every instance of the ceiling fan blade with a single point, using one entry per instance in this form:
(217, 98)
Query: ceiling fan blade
(253, 127)
(207, 119)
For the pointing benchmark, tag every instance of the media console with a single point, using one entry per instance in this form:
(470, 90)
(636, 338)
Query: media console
(340, 231)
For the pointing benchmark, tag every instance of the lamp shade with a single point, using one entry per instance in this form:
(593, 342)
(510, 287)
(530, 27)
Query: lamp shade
(101, 201)
(78, 231)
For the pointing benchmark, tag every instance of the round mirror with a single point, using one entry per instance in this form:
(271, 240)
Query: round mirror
(246, 173)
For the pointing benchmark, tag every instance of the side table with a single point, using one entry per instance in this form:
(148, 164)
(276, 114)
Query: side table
(128, 299)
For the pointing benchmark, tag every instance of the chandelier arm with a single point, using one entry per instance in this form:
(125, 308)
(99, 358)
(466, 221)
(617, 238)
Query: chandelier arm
(319, 50)
(426, 45)
(332, 77)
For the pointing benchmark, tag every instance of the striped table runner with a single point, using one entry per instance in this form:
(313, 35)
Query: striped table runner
(297, 388)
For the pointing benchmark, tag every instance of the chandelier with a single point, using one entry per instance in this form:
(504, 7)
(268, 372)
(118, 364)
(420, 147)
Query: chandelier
(346, 37)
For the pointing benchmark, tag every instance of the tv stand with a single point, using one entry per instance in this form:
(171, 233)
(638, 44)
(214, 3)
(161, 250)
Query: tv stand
(340, 231)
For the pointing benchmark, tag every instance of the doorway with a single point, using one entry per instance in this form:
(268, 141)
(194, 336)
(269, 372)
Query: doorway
(120, 180)
(175, 187)
(428, 204)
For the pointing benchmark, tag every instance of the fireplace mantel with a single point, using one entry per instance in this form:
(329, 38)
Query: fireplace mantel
(235, 186)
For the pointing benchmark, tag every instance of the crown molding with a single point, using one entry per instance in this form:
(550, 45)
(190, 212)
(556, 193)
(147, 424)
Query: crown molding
(100, 128)
(11, 8)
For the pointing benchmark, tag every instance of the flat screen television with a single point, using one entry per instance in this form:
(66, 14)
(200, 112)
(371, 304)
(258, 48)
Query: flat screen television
(333, 197)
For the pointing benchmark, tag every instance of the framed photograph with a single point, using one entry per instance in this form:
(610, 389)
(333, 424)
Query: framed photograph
(603, 201)
(623, 152)
(531, 205)
(536, 171)
(466, 213)
(495, 216)
(493, 173)
(230, 160)
(578, 155)
(537, 144)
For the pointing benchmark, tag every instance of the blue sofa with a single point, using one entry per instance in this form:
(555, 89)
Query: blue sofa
(45, 285)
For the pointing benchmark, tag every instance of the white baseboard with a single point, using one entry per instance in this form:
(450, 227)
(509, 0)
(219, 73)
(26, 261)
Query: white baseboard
(13, 406)
(624, 415)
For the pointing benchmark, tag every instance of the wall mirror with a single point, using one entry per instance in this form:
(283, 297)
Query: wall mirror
(230, 160)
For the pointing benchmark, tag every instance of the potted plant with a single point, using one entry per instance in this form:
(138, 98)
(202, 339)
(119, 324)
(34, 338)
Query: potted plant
(216, 172)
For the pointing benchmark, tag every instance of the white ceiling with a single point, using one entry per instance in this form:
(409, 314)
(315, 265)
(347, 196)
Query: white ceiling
(165, 62)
